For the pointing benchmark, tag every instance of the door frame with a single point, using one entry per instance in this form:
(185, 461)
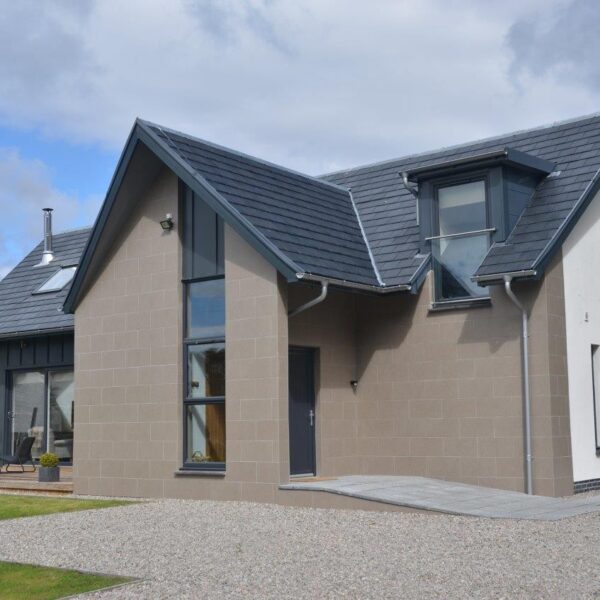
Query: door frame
(9, 403)
(311, 352)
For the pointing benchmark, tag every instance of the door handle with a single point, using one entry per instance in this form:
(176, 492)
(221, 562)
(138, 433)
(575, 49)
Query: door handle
(311, 416)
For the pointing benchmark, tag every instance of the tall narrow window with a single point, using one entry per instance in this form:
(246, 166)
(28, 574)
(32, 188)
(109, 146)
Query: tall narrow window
(596, 392)
(204, 337)
(462, 242)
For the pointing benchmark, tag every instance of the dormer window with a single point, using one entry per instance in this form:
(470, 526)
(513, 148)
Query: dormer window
(466, 204)
(462, 240)
(57, 281)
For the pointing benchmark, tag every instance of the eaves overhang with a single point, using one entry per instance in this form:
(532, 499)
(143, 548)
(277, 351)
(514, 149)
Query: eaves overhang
(498, 278)
(504, 156)
(36, 332)
(141, 133)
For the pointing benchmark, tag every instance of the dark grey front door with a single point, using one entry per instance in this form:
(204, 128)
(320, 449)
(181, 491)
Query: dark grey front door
(302, 411)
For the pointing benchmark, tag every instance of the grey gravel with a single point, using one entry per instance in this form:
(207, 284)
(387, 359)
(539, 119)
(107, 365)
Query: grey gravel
(192, 549)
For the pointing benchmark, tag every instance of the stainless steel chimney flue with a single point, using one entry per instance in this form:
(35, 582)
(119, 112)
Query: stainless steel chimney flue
(47, 254)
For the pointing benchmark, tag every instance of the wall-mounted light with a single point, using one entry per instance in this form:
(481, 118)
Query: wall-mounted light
(354, 385)
(167, 222)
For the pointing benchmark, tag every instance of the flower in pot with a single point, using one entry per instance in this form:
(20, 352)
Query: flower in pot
(49, 470)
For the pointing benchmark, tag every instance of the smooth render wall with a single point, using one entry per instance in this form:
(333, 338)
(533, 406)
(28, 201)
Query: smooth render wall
(582, 305)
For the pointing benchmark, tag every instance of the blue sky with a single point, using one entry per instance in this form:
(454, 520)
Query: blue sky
(316, 85)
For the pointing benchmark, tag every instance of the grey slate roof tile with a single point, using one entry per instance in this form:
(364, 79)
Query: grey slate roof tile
(387, 210)
(23, 312)
(311, 221)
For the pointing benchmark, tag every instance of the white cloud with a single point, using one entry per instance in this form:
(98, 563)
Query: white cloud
(25, 188)
(315, 85)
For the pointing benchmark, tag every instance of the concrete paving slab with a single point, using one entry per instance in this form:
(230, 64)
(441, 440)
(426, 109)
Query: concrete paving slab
(449, 497)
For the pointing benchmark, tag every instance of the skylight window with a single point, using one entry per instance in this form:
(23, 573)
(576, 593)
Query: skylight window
(58, 281)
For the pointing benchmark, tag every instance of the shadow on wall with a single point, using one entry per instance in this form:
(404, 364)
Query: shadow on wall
(404, 326)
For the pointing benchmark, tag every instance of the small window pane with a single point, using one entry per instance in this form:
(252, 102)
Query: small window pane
(58, 280)
(206, 309)
(462, 208)
(455, 262)
(205, 433)
(206, 370)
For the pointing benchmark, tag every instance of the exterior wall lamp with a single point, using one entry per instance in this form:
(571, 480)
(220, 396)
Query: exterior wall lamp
(167, 223)
(354, 385)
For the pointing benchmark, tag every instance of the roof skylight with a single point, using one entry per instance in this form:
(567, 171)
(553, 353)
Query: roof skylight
(58, 280)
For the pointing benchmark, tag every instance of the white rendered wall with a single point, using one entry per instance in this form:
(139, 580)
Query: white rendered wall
(581, 265)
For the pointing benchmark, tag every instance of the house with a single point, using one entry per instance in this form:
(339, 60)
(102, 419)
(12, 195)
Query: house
(36, 347)
(238, 323)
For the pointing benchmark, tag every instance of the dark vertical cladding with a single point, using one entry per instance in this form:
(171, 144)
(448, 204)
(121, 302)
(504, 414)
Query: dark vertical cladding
(29, 353)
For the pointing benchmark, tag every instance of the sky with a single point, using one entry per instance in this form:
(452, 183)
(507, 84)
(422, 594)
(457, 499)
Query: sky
(316, 85)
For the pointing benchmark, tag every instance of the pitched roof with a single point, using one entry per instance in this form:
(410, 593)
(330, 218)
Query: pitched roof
(311, 221)
(22, 311)
(387, 209)
(358, 227)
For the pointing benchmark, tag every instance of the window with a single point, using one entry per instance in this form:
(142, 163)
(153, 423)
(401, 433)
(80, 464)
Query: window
(204, 338)
(462, 240)
(596, 392)
(58, 280)
(41, 407)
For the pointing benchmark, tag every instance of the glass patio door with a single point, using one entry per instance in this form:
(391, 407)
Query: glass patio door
(27, 412)
(60, 414)
(42, 407)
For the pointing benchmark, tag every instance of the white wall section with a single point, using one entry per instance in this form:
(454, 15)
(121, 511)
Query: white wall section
(581, 266)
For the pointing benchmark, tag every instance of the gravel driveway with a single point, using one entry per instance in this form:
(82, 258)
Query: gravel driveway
(192, 549)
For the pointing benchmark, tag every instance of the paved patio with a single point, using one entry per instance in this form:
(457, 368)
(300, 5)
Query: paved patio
(451, 498)
(14, 481)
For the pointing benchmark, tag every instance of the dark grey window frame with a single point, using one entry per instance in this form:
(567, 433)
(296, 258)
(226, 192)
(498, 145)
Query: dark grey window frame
(9, 401)
(187, 202)
(485, 175)
(595, 396)
(187, 400)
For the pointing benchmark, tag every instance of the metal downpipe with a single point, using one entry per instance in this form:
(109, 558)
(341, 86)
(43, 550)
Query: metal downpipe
(311, 303)
(526, 390)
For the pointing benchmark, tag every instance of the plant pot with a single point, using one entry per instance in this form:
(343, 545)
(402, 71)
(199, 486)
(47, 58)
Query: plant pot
(48, 474)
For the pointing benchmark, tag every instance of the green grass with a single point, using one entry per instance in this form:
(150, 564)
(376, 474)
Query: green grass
(12, 507)
(28, 582)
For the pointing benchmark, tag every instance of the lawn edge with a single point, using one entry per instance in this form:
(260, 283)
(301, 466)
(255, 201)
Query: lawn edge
(131, 579)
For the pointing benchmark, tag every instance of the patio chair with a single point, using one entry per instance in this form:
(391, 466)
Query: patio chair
(21, 457)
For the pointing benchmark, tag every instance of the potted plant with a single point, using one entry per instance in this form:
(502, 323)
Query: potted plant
(49, 469)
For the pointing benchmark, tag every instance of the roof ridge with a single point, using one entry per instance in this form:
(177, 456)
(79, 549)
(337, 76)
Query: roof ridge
(492, 138)
(255, 159)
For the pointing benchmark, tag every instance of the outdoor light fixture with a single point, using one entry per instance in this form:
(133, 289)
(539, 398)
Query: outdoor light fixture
(354, 384)
(167, 222)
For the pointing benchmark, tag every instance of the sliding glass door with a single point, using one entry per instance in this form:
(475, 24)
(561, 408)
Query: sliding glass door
(27, 413)
(41, 406)
(60, 414)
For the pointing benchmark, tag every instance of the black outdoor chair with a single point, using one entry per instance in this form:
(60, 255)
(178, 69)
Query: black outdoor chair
(21, 457)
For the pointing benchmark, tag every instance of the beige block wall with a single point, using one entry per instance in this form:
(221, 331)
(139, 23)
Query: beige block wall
(128, 365)
(440, 393)
(331, 327)
(127, 358)
(256, 366)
